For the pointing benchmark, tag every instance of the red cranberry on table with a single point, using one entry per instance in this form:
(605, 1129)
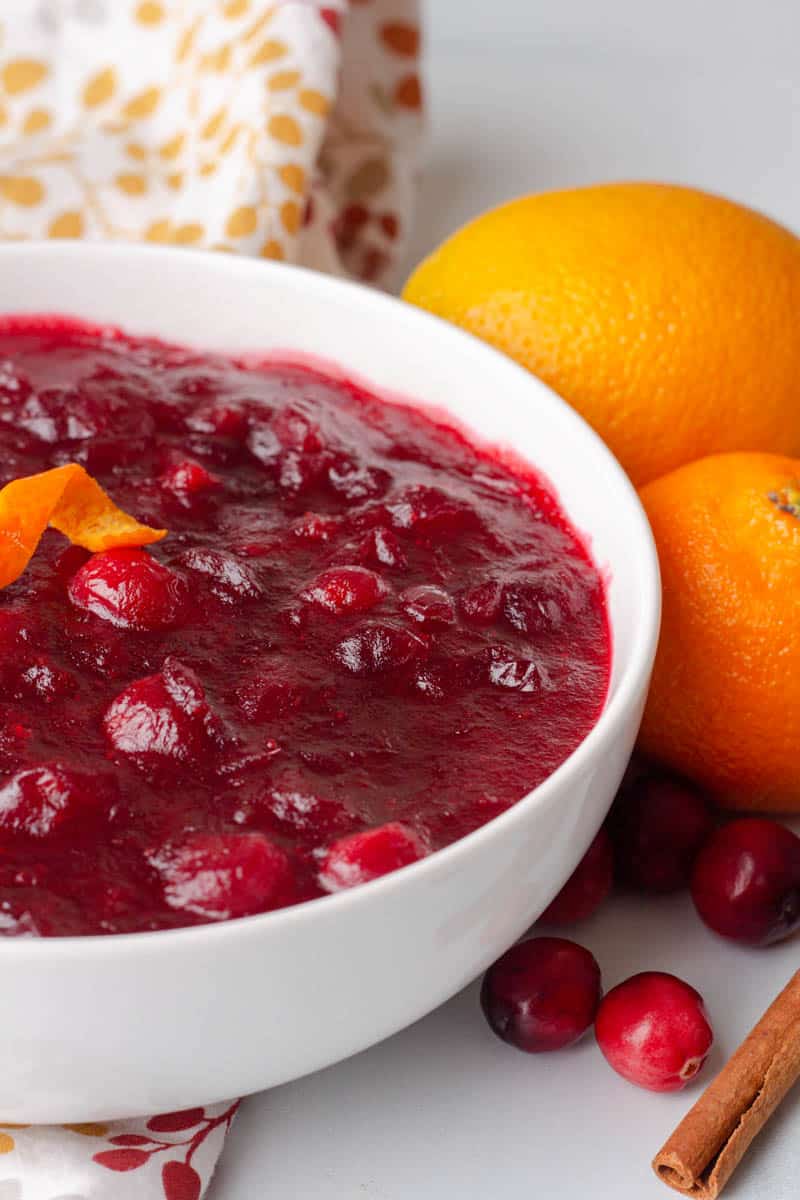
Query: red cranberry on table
(746, 881)
(658, 824)
(588, 886)
(654, 1031)
(542, 994)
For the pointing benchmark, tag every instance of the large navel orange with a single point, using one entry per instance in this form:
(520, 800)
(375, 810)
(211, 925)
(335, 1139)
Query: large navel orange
(724, 705)
(668, 317)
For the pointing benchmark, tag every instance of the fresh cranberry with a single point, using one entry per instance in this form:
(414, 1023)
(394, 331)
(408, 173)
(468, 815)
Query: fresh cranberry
(658, 825)
(187, 478)
(379, 647)
(129, 588)
(230, 579)
(38, 800)
(164, 717)
(746, 881)
(346, 590)
(219, 876)
(362, 857)
(428, 605)
(587, 887)
(654, 1031)
(542, 994)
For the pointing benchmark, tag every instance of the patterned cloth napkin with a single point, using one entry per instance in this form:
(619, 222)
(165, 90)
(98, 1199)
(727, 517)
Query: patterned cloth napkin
(286, 130)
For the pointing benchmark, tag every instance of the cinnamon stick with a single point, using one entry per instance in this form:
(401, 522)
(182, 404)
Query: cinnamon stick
(711, 1140)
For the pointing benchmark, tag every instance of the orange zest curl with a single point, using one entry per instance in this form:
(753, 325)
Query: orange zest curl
(68, 499)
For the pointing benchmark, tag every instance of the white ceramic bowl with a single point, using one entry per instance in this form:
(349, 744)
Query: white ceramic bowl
(109, 1027)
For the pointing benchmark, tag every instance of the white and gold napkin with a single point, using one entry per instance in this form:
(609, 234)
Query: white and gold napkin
(287, 130)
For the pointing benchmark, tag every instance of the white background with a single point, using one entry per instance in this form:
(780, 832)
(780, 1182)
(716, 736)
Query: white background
(530, 94)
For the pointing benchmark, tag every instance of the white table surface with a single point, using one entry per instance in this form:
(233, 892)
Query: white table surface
(526, 95)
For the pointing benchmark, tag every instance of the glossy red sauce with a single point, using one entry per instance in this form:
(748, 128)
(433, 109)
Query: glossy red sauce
(362, 639)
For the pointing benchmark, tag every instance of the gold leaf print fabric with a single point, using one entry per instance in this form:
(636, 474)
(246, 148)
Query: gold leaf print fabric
(287, 130)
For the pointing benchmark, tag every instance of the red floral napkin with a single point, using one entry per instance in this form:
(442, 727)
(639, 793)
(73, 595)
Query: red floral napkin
(168, 1157)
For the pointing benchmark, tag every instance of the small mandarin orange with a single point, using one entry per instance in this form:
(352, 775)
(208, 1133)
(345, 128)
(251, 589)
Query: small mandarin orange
(724, 705)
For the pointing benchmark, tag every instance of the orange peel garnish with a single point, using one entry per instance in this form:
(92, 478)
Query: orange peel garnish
(71, 501)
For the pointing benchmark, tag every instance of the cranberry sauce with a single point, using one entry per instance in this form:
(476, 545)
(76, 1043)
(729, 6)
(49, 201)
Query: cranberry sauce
(362, 639)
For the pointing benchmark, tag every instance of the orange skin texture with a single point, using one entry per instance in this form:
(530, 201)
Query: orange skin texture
(68, 499)
(724, 704)
(666, 316)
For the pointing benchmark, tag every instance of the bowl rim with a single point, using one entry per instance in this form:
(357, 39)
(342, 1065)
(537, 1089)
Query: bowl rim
(617, 702)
